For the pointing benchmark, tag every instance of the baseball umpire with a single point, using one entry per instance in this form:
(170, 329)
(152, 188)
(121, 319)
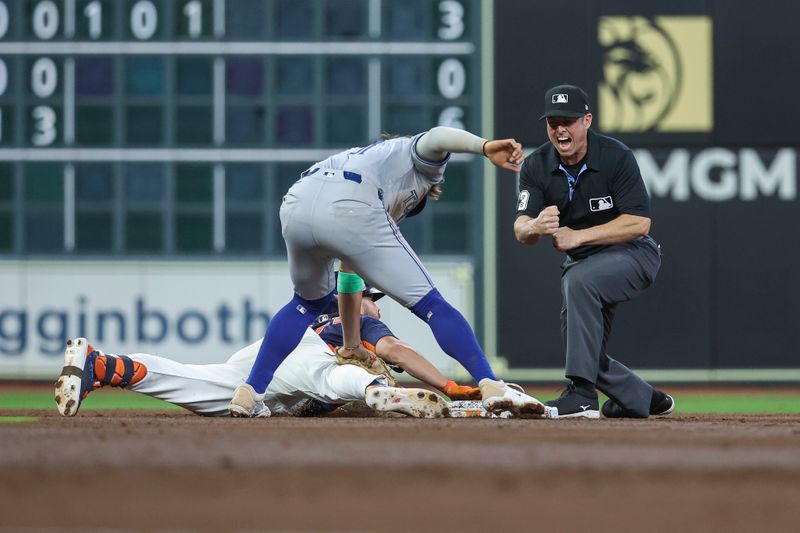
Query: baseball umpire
(585, 191)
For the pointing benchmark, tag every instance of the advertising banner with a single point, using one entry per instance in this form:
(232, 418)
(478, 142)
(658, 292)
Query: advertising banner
(193, 312)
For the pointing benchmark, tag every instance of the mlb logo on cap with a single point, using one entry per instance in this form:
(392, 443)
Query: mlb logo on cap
(565, 101)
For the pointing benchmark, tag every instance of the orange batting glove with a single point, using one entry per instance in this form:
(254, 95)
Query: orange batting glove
(461, 392)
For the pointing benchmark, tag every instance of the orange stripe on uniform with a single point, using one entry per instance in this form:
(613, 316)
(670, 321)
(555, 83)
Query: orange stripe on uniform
(100, 367)
(369, 347)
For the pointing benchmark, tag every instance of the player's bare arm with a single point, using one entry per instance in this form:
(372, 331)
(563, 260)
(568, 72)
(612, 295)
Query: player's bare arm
(441, 140)
(399, 353)
(622, 229)
(350, 311)
(528, 230)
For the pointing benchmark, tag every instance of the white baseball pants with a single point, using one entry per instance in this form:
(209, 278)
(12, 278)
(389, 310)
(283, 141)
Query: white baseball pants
(310, 371)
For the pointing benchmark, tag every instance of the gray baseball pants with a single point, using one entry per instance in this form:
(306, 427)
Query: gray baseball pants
(591, 288)
(325, 216)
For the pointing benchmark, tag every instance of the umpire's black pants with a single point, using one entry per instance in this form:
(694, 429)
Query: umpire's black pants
(591, 289)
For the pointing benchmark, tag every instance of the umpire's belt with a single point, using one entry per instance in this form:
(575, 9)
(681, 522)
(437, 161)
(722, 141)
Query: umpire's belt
(332, 173)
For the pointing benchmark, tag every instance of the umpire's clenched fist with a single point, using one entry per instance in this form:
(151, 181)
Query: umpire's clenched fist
(528, 230)
(547, 221)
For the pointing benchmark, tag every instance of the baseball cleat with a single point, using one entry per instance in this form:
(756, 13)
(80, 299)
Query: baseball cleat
(247, 403)
(664, 407)
(612, 409)
(574, 404)
(499, 396)
(77, 377)
(419, 403)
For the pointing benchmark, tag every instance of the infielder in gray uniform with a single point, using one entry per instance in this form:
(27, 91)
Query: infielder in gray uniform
(348, 207)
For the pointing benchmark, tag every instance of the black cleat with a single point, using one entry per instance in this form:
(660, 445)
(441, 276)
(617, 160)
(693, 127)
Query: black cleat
(573, 404)
(612, 409)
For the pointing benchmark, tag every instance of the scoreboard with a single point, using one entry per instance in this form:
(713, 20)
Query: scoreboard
(173, 127)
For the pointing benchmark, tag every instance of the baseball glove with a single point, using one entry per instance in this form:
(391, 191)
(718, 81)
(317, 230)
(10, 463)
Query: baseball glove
(377, 366)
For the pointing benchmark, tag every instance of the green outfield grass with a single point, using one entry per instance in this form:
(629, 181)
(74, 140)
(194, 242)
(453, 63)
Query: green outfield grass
(102, 399)
(727, 402)
(689, 401)
(738, 403)
(17, 419)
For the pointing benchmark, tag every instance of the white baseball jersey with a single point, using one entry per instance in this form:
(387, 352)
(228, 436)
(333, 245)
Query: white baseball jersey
(310, 371)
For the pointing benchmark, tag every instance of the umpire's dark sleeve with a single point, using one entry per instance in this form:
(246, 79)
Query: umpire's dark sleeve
(530, 200)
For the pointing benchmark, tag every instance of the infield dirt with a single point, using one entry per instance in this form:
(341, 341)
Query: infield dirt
(134, 470)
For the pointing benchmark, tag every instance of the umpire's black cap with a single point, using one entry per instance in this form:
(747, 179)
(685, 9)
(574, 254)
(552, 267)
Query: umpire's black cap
(565, 101)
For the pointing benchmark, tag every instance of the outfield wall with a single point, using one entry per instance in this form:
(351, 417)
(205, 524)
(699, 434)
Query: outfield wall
(194, 312)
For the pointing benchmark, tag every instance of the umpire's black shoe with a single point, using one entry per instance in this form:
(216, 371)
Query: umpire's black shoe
(664, 406)
(573, 403)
